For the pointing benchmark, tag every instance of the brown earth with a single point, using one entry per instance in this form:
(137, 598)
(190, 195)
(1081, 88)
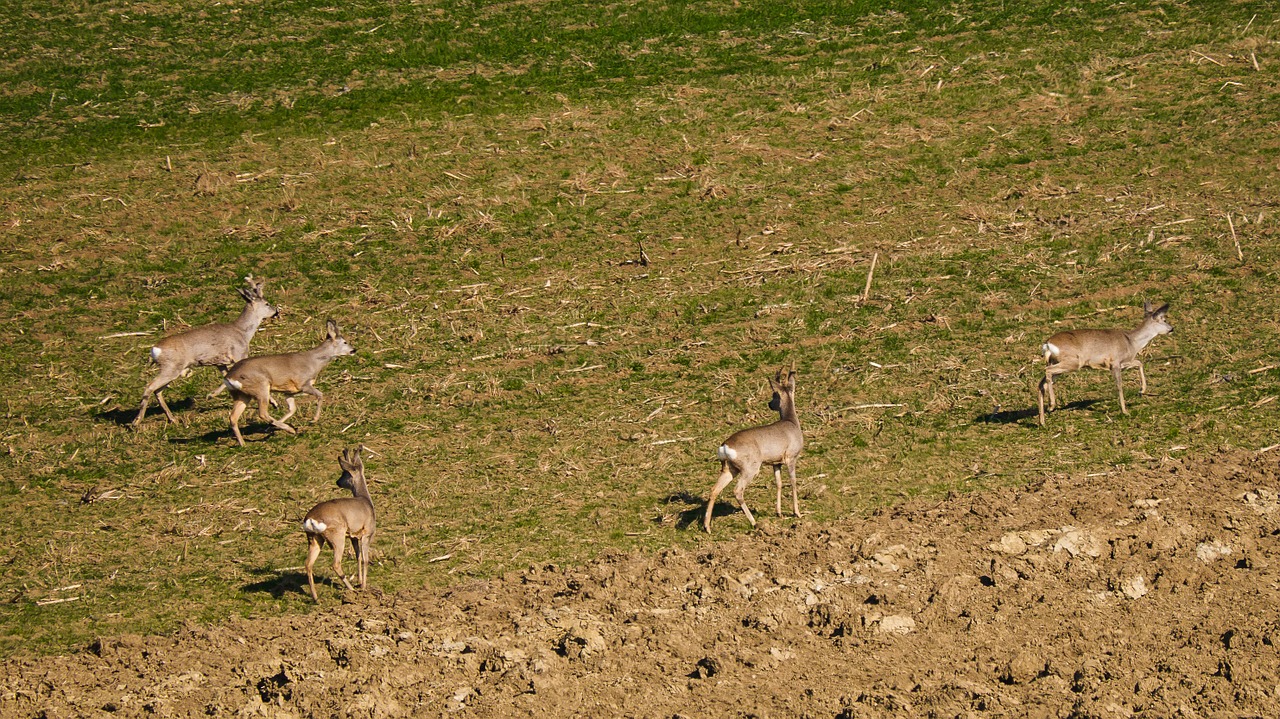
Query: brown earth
(1147, 592)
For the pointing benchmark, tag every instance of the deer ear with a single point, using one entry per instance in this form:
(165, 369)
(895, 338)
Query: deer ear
(1162, 309)
(1146, 307)
(332, 328)
(246, 294)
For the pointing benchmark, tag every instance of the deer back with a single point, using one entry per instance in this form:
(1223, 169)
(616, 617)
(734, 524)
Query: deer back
(769, 444)
(354, 515)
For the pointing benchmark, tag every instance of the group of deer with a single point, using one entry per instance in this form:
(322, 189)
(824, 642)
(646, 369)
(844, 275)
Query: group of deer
(225, 345)
(778, 444)
(741, 455)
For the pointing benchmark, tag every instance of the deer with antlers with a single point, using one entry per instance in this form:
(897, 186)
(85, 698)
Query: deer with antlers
(777, 444)
(220, 344)
(336, 520)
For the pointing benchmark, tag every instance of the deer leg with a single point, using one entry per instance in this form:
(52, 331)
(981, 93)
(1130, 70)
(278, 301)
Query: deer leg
(1117, 372)
(365, 541)
(357, 548)
(313, 551)
(142, 411)
(740, 491)
(158, 384)
(1040, 398)
(237, 409)
(264, 401)
(795, 497)
(310, 389)
(292, 409)
(1046, 386)
(777, 481)
(368, 556)
(726, 476)
(165, 406)
(1142, 374)
(1053, 396)
(338, 548)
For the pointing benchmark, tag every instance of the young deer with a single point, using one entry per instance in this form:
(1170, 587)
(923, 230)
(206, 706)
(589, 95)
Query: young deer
(1115, 350)
(219, 345)
(777, 444)
(254, 378)
(337, 519)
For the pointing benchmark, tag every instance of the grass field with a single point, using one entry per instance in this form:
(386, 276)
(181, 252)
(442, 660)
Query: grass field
(469, 190)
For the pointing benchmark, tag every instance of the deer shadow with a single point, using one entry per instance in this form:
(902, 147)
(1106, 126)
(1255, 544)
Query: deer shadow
(214, 436)
(1015, 416)
(123, 416)
(278, 584)
(693, 515)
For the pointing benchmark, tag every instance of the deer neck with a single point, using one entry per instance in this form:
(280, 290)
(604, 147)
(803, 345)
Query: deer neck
(248, 322)
(359, 488)
(787, 411)
(324, 354)
(1143, 334)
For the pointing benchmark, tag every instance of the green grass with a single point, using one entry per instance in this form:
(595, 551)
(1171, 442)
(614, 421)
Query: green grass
(471, 206)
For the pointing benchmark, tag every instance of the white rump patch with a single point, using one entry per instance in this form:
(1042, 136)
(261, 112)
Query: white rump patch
(313, 526)
(232, 383)
(726, 453)
(1050, 349)
(155, 354)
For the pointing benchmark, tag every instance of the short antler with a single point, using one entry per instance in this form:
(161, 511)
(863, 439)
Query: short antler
(351, 459)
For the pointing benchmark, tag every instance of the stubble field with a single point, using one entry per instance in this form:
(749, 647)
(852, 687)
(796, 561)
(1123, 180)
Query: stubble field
(569, 244)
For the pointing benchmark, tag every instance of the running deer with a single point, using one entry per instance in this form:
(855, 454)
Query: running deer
(337, 519)
(777, 444)
(220, 345)
(254, 379)
(1115, 350)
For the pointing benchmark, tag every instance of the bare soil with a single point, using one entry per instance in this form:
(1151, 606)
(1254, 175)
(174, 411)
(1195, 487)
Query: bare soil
(1150, 591)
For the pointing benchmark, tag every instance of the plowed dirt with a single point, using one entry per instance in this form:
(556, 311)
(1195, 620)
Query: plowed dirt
(1144, 592)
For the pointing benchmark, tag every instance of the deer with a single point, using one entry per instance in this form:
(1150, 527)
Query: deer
(254, 378)
(220, 345)
(335, 520)
(777, 444)
(1115, 350)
